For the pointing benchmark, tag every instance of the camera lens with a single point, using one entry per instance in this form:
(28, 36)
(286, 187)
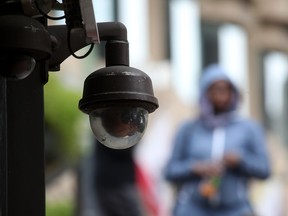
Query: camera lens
(16, 66)
(119, 127)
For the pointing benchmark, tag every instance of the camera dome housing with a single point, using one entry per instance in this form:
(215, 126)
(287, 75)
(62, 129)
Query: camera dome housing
(18, 57)
(111, 93)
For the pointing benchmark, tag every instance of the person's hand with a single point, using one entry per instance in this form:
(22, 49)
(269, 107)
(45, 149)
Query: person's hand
(207, 169)
(231, 160)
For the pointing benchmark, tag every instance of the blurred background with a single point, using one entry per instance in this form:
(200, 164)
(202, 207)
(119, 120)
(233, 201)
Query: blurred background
(172, 41)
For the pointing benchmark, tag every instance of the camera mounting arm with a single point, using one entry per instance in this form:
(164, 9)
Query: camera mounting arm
(115, 33)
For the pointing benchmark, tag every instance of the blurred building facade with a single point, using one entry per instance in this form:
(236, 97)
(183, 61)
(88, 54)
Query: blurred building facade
(173, 40)
(250, 39)
(190, 34)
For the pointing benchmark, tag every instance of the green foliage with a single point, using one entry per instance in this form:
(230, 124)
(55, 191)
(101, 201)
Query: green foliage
(64, 208)
(62, 118)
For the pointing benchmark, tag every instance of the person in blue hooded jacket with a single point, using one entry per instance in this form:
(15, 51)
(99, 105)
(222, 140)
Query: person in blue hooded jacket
(216, 154)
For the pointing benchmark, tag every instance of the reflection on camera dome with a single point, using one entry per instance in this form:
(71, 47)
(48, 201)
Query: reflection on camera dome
(121, 123)
(119, 127)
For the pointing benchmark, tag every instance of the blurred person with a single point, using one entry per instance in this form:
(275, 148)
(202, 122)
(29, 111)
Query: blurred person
(122, 187)
(216, 154)
(115, 182)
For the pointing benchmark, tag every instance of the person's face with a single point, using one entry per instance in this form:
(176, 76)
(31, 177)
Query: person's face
(220, 94)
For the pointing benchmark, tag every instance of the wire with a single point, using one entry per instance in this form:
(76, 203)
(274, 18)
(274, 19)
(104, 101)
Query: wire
(74, 21)
(68, 32)
(47, 16)
(70, 48)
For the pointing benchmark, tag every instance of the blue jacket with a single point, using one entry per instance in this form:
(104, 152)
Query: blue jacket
(193, 144)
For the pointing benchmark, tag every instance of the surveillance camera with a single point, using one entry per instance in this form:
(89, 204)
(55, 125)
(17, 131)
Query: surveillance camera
(18, 57)
(118, 100)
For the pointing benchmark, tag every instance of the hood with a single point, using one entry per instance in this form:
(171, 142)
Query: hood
(210, 75)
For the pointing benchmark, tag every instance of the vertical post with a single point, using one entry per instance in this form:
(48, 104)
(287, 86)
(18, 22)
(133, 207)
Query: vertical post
(22, 178)
(3, 147)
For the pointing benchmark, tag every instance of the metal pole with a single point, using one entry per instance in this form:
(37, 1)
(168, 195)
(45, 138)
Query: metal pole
(22, 177)
(3, 147)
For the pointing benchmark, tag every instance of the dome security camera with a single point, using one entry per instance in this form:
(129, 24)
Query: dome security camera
(118, 100)
(18, 57)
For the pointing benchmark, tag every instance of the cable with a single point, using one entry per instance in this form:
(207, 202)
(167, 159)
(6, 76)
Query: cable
(74, 21)
(70, 48)
(45, 15)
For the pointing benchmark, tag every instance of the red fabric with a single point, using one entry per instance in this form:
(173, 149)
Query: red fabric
(145, 187)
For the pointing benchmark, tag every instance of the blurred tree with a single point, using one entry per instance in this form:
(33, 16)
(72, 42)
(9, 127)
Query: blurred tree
(59, 209)
(61, 122)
